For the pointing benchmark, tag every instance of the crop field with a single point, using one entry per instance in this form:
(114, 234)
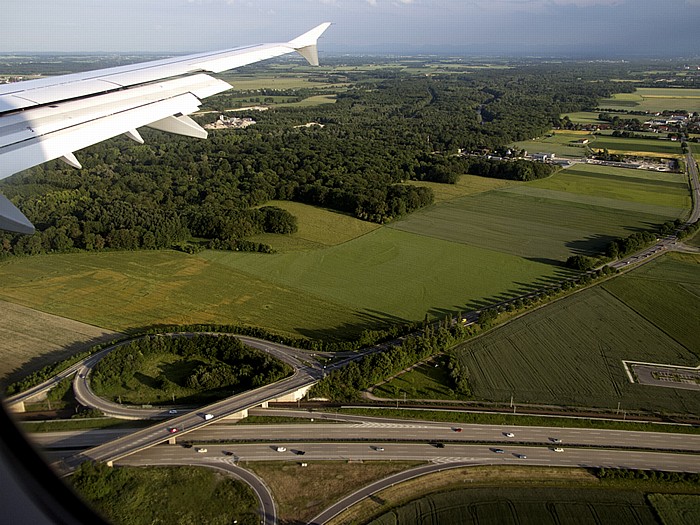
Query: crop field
(314, 100)
(619, 144)
(644, 187)
(654, 99)
(528, 221)
(466, 185)
(317, 228)
(32, 339)
(383, 276)
(672, 281)
(676, 509)
(242, 82)
(123, 290)
(570, 352)
(481, 506)
(392, 273)
(561, 144)
(591, 117)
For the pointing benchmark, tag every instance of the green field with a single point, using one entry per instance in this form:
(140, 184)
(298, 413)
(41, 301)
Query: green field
(317, 228)
(526, 505)
(392, 273)
(641, 186)
(654, 99)
(676, 509)
(562, 144)
(635, 146)
(427, 381)
(383, 276)
(465, 185)
(591, 117)
(570, 352)
(536, 223)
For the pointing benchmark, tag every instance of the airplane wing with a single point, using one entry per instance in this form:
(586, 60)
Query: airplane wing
(51, 118)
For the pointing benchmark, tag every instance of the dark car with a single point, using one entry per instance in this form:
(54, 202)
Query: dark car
(438, 445)
(498, 450)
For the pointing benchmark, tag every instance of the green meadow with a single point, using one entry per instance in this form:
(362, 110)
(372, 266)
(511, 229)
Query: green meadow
(640, 186)
(635, 146)
(562, 144)
(536, 223)
(654, 99)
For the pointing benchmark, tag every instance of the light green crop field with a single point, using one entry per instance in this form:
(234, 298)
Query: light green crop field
(317, 228)
(393, 273)
(385, 275)
(654, 99)
(591, 117)
(571, 352)
(122, 290)
(314, 100)
(561, 144)
(532, 222)
(510, 505)
(466, 185)
(655, 188)
(636, 145)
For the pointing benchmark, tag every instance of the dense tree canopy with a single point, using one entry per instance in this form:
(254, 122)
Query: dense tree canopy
(386, 128)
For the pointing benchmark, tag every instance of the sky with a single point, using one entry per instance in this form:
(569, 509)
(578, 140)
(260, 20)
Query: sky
(584, 28)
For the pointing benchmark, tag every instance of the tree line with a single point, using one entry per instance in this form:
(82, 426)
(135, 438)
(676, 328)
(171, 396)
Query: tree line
(346, 383)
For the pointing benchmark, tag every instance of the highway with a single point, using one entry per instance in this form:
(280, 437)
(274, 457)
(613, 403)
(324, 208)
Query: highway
(86, 397)
(367, 429)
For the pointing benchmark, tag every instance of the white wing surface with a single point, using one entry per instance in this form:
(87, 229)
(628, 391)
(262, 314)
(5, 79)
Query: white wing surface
(51, 118)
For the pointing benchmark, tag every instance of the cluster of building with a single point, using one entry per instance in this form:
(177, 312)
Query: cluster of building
(224, 122)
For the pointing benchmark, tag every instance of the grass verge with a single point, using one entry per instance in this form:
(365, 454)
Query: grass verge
(301, 493)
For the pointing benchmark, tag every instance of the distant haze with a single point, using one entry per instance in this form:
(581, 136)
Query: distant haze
(591, 28)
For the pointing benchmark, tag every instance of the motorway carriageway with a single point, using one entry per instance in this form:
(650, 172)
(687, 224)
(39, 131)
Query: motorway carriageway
(362, 428)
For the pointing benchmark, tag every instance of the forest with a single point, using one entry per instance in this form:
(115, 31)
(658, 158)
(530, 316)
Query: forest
(386, 128)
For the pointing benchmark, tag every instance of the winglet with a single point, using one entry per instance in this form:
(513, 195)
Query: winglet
(13, 220)
(305, 44)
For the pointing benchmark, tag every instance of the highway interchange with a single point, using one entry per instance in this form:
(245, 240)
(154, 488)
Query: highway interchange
(443, 445)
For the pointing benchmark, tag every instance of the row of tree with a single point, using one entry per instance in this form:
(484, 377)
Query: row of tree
(346, 383)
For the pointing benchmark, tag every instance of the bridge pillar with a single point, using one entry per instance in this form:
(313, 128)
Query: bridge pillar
(172, 440)
(17, 407)
(242, 414)
(294, 396)
(265, 404)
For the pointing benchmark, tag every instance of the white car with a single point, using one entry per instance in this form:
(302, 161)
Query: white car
(558, 449)
(509, 434)
(201, 450)
(281, 449)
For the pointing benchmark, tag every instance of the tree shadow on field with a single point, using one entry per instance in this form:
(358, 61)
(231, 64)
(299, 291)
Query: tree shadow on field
(591, 245)
(38, 362)
(361, 321)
